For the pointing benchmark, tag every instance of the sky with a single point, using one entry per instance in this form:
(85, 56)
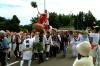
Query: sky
(24, 10)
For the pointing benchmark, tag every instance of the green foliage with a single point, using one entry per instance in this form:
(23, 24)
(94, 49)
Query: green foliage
(33, 4)
(53, 20)
(84, 19)
(2, 19)
(12, 25)
(15, 19)
(29, 27)
(38, 46)
(34, 20)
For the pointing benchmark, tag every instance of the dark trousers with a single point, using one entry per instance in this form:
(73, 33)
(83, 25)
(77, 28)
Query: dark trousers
(47, 54)
(16, 50)
(79, 56)
(61, 46)
(36, 55)
(53, 51)
(40, 57)
(2, 58)
(8, 55)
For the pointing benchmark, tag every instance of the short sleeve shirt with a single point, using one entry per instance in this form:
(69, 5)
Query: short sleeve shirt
(94, 38)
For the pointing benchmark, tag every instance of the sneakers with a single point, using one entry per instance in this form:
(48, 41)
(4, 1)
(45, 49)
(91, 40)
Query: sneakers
(63, 56)
(46, 58)
(8, 58)
(36, 58)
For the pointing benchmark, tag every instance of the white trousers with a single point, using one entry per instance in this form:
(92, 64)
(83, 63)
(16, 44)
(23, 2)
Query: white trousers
(74, 52)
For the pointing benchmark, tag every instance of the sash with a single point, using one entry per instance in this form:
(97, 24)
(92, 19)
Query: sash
(93, 46)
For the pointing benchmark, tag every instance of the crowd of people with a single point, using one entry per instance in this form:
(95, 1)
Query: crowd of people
(84, 44)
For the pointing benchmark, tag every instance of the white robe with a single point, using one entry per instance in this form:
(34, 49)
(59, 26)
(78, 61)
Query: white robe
(27, 55)
(49, 41)
(74, 43)
(10, 44)
(44, 40)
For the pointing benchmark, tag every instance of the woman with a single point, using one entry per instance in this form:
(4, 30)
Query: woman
(84, 49)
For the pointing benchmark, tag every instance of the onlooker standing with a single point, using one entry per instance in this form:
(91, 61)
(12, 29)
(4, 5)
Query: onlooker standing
(4, 47)
(84, 49)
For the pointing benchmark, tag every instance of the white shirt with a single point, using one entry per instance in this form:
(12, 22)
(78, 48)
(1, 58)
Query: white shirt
(76, 41)
(84, 61)
(59, 37)
(94, 37)
(27, 44)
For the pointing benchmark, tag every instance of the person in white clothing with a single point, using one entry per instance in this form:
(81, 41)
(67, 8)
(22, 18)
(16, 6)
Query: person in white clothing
(8, 35)
(94, 37)
(27, 47)
(49, 43)
(41, 38)
(74, 42)
(84, 49)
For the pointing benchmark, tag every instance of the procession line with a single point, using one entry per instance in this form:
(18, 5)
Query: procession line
(13, 63)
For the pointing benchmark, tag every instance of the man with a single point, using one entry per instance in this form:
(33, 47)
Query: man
(41, 38)
(9, 36)
(27, 51)
(94, 42)
(55, 40)
(43, 19)
(4, 48)
(17, 41)
(49, 43)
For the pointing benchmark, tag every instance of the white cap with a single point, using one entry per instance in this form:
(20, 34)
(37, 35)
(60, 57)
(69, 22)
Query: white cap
(2, 32)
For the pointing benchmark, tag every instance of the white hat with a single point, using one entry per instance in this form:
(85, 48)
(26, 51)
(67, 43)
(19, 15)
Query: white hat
(2, 32)
(84, 48)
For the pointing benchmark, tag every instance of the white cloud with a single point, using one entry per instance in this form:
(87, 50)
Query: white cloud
(24, 11)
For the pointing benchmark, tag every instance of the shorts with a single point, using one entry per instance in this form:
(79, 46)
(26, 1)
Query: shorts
(94, 52)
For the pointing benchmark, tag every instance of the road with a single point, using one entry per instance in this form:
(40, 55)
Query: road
(53, 61)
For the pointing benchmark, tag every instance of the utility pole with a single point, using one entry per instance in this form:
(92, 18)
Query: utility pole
(44, 5)
(70, 17)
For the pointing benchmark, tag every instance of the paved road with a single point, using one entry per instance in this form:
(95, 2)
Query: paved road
(53, 61)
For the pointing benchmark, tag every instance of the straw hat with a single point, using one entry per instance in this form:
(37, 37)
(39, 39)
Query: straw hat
(84, 48)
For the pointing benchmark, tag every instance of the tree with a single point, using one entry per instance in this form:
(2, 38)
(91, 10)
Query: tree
(84, 19)
(90, 19)
(34, 20)
(2, 19)
(54, 20)
(14, 23)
